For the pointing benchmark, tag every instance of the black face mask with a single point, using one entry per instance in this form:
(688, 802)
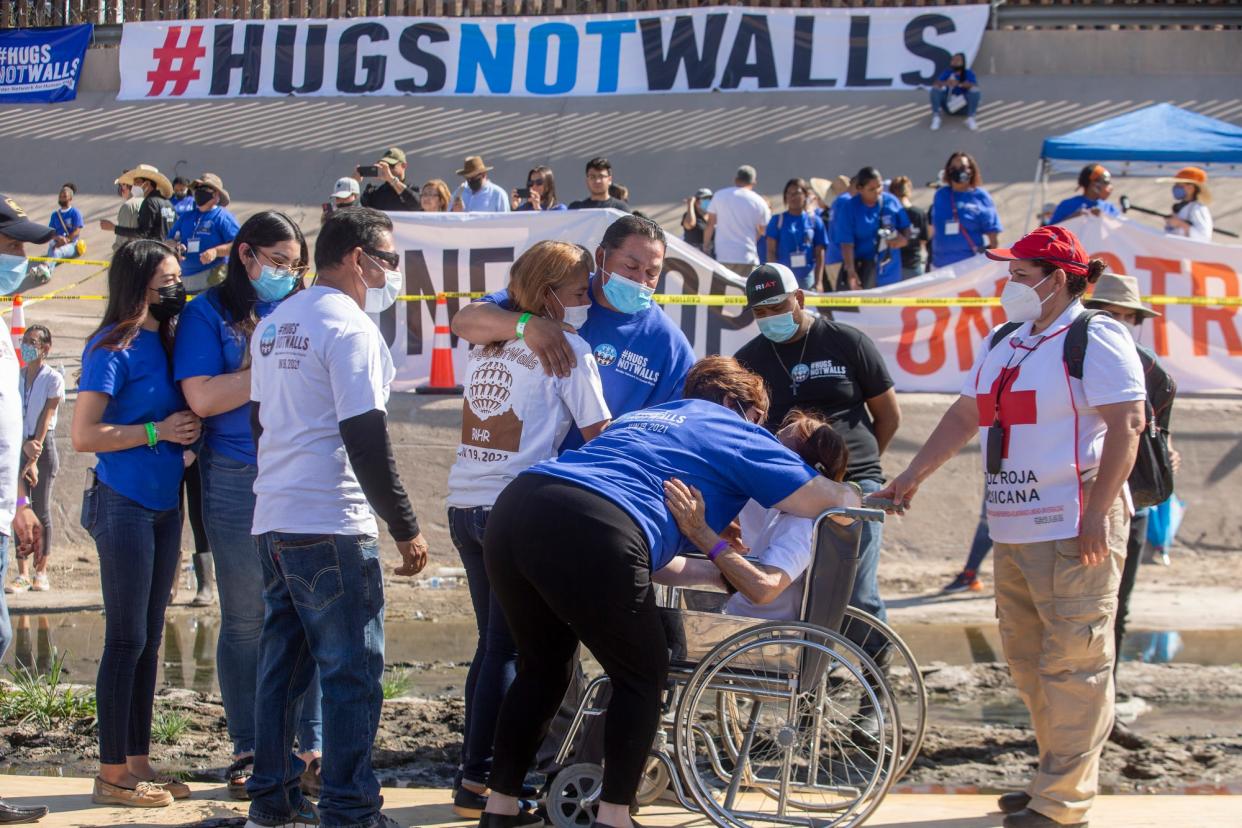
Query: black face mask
(475, 184)
(201, 197)
(64, 205)
(960, 175)
(172, 300)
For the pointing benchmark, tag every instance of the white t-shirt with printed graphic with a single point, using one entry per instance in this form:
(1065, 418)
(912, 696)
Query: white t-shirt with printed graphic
(514, 416)
(316, 360)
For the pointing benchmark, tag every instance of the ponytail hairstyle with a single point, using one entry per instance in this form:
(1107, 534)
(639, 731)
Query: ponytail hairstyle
(1076, 283)
(819, 444)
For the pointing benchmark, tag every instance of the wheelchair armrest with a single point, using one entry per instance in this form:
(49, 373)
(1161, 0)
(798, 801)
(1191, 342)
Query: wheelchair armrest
(866, 515)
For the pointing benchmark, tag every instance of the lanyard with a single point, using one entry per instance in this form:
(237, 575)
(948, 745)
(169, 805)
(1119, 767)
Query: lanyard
(61, 218)
(960, 226)
(200, 221)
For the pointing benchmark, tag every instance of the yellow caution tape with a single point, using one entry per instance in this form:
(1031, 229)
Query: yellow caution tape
(88, 262)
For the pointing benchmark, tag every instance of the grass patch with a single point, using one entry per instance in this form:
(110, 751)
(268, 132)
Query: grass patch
(396, 683)
(43, 699)
(169, 726)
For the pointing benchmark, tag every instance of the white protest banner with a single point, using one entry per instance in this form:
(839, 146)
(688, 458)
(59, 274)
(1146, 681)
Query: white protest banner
(926, 348)
(728, 49)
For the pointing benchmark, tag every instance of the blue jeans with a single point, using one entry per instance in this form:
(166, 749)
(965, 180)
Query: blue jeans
(940, 97)
(495, 655)
(228, 513)
(325, 607)
(138, 553)
(6, 626)
(982, 544)
(866, 594)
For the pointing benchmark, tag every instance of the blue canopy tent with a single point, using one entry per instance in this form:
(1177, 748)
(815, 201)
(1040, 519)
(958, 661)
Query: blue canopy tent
(1155, 140)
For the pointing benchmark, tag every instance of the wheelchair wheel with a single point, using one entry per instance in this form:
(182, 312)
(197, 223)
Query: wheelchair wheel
(574, 797)
(905, 680)
(654, 782)
(787, 750)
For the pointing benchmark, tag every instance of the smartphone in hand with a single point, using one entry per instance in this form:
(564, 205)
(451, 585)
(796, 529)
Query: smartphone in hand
(369, 171)
(523, 192)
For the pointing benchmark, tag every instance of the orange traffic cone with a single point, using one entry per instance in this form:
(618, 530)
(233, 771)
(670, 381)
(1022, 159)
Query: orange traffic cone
(442, 381)
(17, 327)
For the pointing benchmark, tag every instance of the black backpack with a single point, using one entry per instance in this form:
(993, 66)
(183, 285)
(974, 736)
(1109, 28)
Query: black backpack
(1151, 480)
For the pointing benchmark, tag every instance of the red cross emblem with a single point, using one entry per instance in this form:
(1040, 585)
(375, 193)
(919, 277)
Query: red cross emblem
(1016, 407)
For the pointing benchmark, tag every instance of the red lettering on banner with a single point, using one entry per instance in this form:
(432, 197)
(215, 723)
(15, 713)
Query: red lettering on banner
(935, 342)
(976, 319)
(1160, 268)
(1200, 272)
(1112, 261)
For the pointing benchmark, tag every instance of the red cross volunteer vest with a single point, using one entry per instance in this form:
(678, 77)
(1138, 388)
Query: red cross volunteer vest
(1037, 494)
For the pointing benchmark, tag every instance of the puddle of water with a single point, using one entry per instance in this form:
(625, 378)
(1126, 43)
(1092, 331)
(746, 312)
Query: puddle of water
(439, 650)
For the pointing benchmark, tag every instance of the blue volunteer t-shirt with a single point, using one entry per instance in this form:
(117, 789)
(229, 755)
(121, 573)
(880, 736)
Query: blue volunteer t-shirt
(957, 90)
(1072, 205)
(833, 254)
(857, 224)
(798, 234)
(140, 384)
(213, 228)
(64, 222)
(184, 204)
(975, 215)
(704, 445)
(208, 346)
(643, 357)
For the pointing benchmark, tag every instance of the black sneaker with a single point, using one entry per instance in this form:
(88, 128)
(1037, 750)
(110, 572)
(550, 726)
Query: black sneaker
(1013, 801)
(468, 804)
(518, 820)
(966, 581)
(1026, 818)
(306, 817)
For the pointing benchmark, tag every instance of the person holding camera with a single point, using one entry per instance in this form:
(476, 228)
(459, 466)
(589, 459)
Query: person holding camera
(694, 220)
(538, 194)
(964, 220)
(869, 227)
(391, 195)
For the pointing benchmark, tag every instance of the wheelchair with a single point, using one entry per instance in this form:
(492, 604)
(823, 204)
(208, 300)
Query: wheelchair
(770, 723)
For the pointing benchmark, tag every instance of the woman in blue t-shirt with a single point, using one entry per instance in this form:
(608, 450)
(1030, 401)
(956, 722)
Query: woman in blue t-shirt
(964, 220)
(131, 415)
(571, 545)
(212, 362)
(797, 239)
(869, 227)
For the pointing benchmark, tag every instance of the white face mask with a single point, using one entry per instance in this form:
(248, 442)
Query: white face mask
(573, 315)
(381, 299)
(1022, 302)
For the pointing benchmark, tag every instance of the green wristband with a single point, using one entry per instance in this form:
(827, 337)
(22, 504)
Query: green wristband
(153, 435)
(521, 325)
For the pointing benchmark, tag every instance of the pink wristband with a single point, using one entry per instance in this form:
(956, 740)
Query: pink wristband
(717, 549)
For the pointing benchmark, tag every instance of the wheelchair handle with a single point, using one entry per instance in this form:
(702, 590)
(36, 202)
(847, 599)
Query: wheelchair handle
(866, 515)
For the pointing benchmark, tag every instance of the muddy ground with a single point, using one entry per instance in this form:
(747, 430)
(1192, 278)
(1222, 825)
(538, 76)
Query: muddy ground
(420, 738)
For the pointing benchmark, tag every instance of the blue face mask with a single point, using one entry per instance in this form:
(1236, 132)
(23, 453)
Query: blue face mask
(625, 295)
(1179, 192)
(12, 271)
(778, 328)
(704, 204)
(274, 284)
(29, 353)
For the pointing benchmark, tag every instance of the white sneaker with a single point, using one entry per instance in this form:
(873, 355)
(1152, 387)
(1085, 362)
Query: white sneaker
(935, 124)
(19, 584)
(40, 583)
(971, 125)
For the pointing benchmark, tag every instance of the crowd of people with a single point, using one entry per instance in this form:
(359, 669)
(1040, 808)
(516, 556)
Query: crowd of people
(259, 410)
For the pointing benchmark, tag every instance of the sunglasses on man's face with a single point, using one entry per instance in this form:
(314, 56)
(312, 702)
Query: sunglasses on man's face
(390, 259)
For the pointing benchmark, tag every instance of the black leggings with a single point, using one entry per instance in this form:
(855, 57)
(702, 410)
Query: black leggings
(192, 489)
(568, 565)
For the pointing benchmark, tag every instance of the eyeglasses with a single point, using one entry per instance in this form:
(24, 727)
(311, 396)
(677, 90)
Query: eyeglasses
(295, 270)
(535, 182)
(390, 259)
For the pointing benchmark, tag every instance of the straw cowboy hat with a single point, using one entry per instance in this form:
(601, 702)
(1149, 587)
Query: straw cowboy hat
(474, 166)
(1192, 175)
(213, 181)
(1122, 291)
(146, 171)
(827, 190)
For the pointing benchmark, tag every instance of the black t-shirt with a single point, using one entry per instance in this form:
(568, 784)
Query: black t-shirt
(915, 253)
(385, 197)
(694, 236)
(589, 204)
(840, 369)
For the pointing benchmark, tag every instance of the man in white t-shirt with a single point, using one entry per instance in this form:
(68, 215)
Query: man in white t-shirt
(736, 219)
(1059, 437)
(319, 389)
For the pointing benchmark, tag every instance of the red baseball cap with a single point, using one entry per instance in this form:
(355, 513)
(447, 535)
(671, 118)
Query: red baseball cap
(1052, 244)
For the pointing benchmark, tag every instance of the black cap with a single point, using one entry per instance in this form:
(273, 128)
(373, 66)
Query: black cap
(15, 225)
(769, 284)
